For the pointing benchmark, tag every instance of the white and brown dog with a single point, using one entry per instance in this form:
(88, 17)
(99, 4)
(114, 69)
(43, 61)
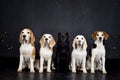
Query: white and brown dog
(79, 53)
(46, 51)
(98, 51)
(27, 50)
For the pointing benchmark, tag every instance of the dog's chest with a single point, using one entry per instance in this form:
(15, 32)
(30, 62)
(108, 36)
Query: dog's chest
(26, 49)
(78, 54)
(45, 52)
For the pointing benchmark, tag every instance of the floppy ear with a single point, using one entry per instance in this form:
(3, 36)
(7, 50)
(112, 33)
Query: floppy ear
(74, 44)
(42, 42)
(94, 35)
(105, 35)
(84, 46)
(20, 38)
(52, 43)
(32, 38)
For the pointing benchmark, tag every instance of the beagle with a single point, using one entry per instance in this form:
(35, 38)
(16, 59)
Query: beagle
(98, 51)
(27, 50)
(79, 53)
(46, 51)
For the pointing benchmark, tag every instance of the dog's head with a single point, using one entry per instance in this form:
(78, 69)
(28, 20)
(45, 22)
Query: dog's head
(63, 39)
(47, 40)
(79, 41)
(100, 35)
(27, 36)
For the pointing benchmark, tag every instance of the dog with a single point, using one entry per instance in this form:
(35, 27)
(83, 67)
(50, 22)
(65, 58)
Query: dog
(98, 51)
(27, 50)
(79, 54)
(46, 51)
(62, 53)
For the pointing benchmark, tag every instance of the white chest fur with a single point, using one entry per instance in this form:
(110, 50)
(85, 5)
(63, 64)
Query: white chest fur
(26, 50)
(46, 52)
(79, 54)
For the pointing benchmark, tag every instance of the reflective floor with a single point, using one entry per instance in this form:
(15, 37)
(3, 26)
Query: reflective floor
(8, 72)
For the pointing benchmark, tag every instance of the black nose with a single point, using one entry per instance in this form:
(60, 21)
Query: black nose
(100, 38)
(46, 39)
(24, 36)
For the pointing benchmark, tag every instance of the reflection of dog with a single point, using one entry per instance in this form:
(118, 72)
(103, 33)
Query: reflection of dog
(62, 54)
(27, 50)
(98, 51)
(79, 53)
(46, 51)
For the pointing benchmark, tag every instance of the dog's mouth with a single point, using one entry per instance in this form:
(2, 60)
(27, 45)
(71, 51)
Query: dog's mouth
(46, 43)
(24, 40)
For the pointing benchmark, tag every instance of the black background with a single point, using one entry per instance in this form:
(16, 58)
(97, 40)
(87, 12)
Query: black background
(53, 16)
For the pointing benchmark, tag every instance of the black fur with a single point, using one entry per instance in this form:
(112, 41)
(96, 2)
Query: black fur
(62, 53)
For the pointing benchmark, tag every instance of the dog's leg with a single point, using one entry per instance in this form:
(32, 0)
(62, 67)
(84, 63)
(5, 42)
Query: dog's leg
(83, 65)
(103, 67)
(92, 64)
(32, 65)
(49, 64)
(41, 64)
(73, 66)
(20, 64)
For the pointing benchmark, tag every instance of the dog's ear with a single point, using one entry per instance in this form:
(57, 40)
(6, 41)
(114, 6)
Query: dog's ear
(66, 35)
(20, 38)
(32, 38)
(74, 45)
(105, 35)
(52, 42)
(42, 41)
(94, 35)
(84, 46)
(59, 35)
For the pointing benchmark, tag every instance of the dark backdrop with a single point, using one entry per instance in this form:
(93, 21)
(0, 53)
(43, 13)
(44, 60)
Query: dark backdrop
(53, 16)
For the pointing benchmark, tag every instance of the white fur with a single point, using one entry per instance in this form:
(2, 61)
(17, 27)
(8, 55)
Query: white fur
(98, 55)
(79, 53)
(26, 50)
(46, 53)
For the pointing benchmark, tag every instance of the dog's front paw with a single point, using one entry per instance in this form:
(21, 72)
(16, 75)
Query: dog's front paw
(19, 70)
(92, 71)
(73, 71)
(40, 71)
(84, 71)
(32, 71)
(48, 70)
(104, 72)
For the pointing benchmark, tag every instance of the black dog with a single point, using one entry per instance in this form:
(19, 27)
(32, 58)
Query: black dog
(62, 53)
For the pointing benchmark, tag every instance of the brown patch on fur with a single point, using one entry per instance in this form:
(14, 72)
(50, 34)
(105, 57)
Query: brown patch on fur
(94, 35)
(42, 41)
(105, 35)
(52, 42)
(20, 37)
(33, 53)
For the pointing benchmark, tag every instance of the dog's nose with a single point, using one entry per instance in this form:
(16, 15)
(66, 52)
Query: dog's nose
(46, 39)
(24, 36)
(79, 41)
(100, 38)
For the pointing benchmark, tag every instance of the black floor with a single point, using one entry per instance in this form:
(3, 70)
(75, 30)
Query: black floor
(8, 68)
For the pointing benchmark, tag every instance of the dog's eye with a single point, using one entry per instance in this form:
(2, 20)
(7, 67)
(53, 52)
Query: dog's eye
(77, 38)
(44, 36)
(28, 32)
(49, 36)
(22, 32)
(102, 35)
(82, 38)
(97, 35)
